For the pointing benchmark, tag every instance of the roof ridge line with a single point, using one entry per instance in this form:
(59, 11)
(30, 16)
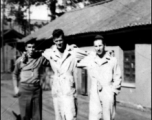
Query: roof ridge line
(91, 5)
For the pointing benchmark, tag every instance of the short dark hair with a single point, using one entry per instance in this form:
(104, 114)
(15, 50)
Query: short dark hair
(99, 37)
(32, 41)
(57, 33)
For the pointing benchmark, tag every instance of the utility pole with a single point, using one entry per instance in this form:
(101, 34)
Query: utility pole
(29, 17)
(2, 38)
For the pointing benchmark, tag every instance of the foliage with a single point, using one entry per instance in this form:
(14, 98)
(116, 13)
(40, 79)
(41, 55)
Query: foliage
(20, 20)
(27, 3)
(24, 5)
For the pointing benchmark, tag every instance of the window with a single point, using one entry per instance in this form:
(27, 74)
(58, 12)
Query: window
(84, 90)
(129, 67)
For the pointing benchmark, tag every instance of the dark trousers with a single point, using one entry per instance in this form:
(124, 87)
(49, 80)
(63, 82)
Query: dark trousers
(30, 102)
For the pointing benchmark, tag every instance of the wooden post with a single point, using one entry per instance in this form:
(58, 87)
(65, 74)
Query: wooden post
(2, 37)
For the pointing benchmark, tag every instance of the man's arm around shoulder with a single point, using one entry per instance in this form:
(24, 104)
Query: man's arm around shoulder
(47, 53)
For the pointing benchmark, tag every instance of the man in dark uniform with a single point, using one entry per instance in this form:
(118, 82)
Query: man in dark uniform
(26, 80)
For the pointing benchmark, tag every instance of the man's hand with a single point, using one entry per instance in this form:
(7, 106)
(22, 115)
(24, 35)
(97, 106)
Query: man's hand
(99, 86)
(16, 92)
(24, 57)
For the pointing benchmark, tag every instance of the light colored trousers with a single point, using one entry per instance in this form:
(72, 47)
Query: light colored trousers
(102, 105)
(65, 108)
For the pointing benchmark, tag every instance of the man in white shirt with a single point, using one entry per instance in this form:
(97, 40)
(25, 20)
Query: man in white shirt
(63, 59)
(106, 80)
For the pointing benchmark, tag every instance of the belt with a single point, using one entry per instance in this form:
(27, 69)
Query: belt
(30, 84)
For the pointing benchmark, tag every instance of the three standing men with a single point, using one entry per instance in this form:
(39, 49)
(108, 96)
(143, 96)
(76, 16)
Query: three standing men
(106, 80)
(103, 70)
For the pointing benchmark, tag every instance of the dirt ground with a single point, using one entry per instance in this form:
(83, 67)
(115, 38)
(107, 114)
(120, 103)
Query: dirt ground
(10, 105)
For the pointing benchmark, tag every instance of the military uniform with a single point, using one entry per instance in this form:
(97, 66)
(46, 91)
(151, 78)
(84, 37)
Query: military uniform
(63, 84)
(30, 92)
(106, 72)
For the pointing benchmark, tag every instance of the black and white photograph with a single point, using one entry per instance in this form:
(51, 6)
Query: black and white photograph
(75, 59)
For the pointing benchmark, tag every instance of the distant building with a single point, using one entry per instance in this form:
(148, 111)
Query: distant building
(10, 49)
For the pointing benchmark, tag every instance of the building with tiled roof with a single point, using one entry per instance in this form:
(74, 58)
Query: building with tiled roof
(8, 48)
(110, 16)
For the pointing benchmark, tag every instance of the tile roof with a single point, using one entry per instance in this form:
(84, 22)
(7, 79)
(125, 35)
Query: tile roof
(112, 15)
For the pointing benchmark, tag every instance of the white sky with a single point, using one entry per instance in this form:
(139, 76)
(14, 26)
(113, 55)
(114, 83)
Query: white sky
(39, 12)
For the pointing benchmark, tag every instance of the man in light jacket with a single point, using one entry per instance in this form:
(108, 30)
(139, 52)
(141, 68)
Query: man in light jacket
(63, 59)
(106, 80)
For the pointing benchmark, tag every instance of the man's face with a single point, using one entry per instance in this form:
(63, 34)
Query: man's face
(30, 49)
(99, 47)
(59, 42)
